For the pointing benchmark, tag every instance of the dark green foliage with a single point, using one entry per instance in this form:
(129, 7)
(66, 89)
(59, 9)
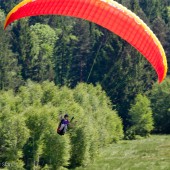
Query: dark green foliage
(34, 47)
(82, 49)
(126, 80)
(160, 102)
(21, 46)
(141, 118)
(6, 6)
(63, 52)
(9, 69)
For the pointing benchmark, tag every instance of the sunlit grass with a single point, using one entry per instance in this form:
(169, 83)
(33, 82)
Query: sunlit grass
(146, 154)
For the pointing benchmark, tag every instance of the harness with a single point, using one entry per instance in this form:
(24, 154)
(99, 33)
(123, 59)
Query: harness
(60, 132)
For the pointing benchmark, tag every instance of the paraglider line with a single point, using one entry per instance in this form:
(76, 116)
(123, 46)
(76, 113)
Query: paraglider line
(94, 61)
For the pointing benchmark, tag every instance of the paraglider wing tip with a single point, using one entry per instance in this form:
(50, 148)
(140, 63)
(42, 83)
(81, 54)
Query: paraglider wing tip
(10, 18)
(5, 24)
(161, 78)
(160, 81)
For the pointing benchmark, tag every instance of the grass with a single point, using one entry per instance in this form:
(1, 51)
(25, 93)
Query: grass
(152, 153)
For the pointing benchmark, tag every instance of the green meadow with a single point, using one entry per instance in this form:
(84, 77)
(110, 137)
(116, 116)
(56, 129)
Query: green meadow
(152, 153)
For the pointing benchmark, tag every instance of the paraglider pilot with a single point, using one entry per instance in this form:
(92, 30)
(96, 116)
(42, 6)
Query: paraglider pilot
(62, 128)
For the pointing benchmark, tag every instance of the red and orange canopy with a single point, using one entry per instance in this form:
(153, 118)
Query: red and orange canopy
(107, 13)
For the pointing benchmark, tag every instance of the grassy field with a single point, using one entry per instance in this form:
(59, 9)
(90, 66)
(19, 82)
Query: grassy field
(146, 154)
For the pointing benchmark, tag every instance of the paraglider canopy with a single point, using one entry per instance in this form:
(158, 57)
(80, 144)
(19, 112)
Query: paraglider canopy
(107, 13)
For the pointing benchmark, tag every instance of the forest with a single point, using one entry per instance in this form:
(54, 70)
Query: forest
(51, 65)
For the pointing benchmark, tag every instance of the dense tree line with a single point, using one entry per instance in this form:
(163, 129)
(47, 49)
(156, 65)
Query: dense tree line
(29, 119)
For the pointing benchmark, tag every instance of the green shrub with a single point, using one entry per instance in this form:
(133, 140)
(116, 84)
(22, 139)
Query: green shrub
(141, 117)
(56, 151)
(13, 133)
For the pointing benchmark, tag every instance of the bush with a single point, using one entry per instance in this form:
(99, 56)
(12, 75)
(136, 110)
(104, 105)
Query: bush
(56, 151)
(13, 133)
(141, 118)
